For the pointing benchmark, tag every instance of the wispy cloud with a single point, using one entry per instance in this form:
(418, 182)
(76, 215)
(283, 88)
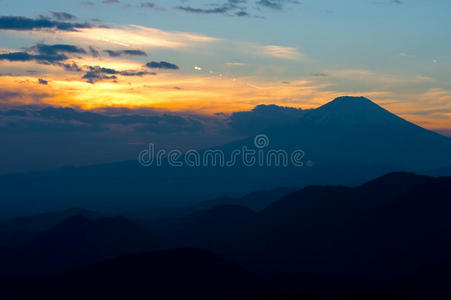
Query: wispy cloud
(276, 51)
(62, 16)
(276, 4)
(234, 64)
(236, 8)
(139, 36)
(369, 76)
(130, 52)
(150, 5)
(239, 8)
(87, 3)
(131, 36)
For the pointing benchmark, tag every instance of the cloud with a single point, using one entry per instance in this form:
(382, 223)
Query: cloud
(59, 119)
(234, 64)
(239, 8)
(93, 51)
(171, 123)
(23, 23)
(276, 4)
(117, 53)
(62, 16)
(230, 7)
(363, 75)
(42, 81)
(162, 65)
(136, 73)
(72, 67)
(396, 1)
(223, 94)
(24, 56)
(58, 55)
(320, 74)
(274, 51)
(103, 37)
(242, 13)
(87, 3)
(134, 36)
(57, 49)
(7, 95)
(96, 73)
(263, 117)
(49, 119)
(44, 54)
(110, 1)
(150, 5)
(31, 97)
(217, 10)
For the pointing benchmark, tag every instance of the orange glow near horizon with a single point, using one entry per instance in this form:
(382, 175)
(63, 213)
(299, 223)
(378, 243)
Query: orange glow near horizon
(193, 94)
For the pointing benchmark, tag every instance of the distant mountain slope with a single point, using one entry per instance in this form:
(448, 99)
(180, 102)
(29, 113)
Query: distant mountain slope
(213, 228)
(77, 241)
(256, 200)
(41, 222)
(19, 230)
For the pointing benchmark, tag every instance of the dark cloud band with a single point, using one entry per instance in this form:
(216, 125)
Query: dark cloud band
(41, 58)
(116, 53)
(24, 23)
(62, 16)
(95, 74)
(162, 65)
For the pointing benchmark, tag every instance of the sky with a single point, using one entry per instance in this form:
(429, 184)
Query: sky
(213, 56)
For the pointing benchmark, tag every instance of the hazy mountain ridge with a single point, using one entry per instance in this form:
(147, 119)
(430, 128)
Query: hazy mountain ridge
(41, 222)
(326, 236)
(78, 241)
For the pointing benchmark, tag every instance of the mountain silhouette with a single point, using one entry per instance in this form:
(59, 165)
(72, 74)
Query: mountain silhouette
(397, 222)
(360, 131)
(213, 228)
(390, 234)
(352, 111)
(256, 200)
(41, 222)
(346, 142)
(79, 240)
(174, 274)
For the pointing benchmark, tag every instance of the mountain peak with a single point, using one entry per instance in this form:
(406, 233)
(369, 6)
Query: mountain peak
(353, 111)
(352, 98)
(350, 102)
